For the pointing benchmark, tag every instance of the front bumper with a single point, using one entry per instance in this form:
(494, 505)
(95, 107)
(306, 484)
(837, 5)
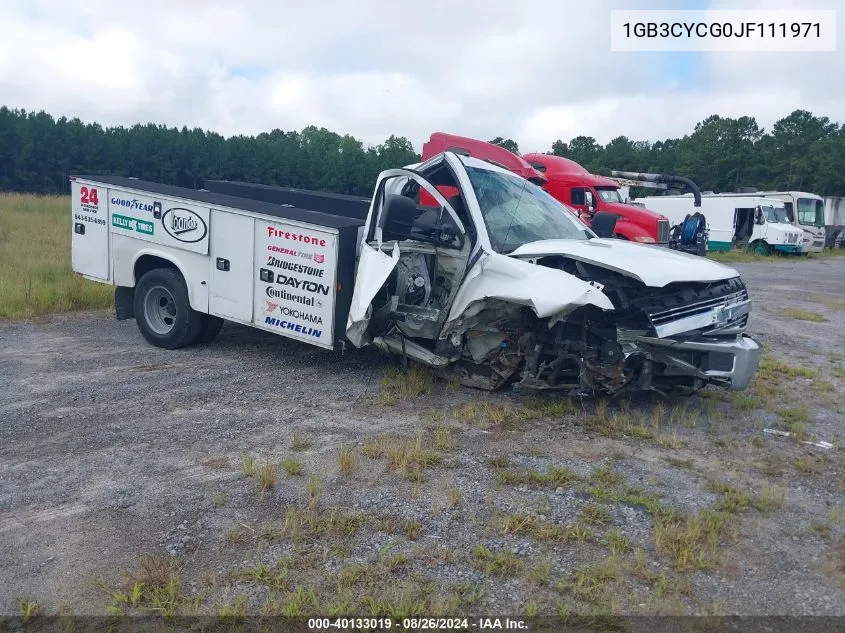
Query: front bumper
(733, 361)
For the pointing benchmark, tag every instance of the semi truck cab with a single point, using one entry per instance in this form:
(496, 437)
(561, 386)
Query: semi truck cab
(566, 181)
(589, 194)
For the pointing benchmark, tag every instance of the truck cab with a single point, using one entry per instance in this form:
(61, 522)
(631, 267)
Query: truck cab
(805, 211)
(566, 181)
(589, 194)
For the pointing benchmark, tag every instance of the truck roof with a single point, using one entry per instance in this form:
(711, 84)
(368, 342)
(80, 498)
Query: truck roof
(562, 168)
(461, 145)
(318, 217)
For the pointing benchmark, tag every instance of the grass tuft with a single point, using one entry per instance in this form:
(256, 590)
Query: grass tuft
(347, 459)
(501, 564)
(804, 315)
(398, 385)
(556, 476)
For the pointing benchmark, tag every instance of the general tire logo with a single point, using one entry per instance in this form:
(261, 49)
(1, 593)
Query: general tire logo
(184, 225)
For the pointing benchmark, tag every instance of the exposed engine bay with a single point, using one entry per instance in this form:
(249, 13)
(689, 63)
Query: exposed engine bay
(640, 345)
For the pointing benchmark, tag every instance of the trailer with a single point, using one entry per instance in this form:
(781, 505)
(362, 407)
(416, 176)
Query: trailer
(834, 221)
(742, 222)
(496, 286)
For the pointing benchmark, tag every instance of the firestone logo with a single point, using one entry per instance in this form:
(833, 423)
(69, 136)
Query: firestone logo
(295, 237)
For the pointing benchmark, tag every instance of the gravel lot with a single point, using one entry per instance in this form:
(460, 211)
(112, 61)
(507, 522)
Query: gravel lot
(112, 451)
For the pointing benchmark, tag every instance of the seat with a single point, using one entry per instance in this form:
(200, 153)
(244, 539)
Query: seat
(604, 224)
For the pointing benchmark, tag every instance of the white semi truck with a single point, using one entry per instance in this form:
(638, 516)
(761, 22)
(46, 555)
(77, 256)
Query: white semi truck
(736, 222)
(497, 285)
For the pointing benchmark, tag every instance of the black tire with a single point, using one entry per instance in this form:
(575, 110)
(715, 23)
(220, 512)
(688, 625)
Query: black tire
(163, 312)
(210, 328)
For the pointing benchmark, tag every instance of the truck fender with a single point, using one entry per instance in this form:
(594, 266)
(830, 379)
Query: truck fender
(148, 258)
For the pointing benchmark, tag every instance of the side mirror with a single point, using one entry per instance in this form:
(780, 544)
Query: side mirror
(759, 218)
(588, 197)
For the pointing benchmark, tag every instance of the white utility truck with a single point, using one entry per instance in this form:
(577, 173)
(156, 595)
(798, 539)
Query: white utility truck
(805, 211)
(735, 222)
(497, 285)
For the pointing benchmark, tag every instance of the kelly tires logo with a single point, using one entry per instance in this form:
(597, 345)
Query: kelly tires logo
(132, 224)
(184, 225)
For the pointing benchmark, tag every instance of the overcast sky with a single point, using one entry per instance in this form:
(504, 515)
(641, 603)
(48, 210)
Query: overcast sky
(533, 71)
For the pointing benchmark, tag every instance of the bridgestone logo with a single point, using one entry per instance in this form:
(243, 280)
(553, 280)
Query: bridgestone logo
(296, 268)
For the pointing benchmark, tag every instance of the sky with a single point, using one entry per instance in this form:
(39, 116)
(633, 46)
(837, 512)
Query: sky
(532, 71)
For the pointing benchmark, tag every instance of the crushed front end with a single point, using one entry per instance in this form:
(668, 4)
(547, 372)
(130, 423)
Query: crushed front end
(673, 340)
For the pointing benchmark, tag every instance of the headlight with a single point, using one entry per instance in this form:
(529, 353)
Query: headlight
(646, 239)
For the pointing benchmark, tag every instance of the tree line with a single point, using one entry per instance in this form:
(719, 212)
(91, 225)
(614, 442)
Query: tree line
(38, 153)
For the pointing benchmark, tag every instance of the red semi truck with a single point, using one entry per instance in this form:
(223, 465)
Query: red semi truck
(566, 181)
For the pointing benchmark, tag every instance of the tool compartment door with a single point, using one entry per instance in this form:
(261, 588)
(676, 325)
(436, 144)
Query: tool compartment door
(295, 281)
(90, 226)
(230, 295)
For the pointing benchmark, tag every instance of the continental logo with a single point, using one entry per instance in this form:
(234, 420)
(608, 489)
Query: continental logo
(277, 293)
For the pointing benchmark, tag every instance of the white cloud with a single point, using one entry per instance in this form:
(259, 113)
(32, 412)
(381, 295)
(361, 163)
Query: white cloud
(372, 68)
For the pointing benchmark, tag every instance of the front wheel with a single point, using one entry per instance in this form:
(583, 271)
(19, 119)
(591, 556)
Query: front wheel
(761, 248)
(163, 311)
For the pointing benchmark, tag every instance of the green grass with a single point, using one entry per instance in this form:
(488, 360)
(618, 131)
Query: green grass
(804, 315)
(35, 271)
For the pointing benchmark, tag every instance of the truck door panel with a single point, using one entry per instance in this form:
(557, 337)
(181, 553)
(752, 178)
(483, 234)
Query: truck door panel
(90, 237)
(230, 294)
(419, 254)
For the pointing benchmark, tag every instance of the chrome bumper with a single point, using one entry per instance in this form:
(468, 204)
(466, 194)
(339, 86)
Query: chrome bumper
(726, 360)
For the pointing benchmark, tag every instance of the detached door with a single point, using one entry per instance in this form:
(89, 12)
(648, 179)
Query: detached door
(230, 294)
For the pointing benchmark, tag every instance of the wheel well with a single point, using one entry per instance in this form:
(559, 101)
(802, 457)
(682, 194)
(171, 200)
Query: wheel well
(146, 263)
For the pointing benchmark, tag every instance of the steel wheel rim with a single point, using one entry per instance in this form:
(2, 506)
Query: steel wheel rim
(160, 310)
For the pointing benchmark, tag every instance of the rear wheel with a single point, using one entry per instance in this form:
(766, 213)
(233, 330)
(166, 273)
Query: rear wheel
(163, 311)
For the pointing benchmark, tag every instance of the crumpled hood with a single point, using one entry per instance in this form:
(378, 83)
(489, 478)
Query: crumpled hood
(655, 266)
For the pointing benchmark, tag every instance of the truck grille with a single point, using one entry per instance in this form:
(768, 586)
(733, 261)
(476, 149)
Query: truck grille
(705, 308)
(662, 231)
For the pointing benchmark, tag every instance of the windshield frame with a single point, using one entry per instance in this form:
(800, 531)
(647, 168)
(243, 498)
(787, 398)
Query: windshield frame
(819, 211)
(777, 216)
(615, 190)
(579, 230)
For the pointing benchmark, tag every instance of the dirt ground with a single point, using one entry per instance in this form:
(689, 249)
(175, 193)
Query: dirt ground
(131, 479)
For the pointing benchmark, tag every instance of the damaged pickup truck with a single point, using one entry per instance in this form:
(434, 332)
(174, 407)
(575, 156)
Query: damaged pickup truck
(498, 284)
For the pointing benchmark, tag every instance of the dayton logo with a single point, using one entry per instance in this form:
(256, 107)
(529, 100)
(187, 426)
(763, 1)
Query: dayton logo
(184, 225)
(302, 284)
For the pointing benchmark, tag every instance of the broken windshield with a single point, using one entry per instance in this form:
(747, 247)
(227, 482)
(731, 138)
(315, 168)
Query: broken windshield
(518, 212)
